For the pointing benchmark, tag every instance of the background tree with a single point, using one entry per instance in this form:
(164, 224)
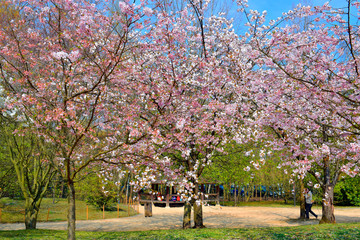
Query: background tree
(31, 159)
(309, 89)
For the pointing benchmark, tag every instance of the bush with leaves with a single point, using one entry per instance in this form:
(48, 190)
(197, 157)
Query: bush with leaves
(347, 192)
(96, 191)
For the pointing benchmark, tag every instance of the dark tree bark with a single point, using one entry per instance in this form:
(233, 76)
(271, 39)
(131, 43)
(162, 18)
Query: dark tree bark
(328, 194)
(327, 187)
(31, 212)
(71, 211)
(187, 216)
(198, 216)
(328, 205)
(302, 199)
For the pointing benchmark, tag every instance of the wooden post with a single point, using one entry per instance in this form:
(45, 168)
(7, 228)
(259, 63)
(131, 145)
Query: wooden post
(0, 215)
(104, 211)
(87, 212)
(47, 217)
(218, 195)
(167, 201)
(118, 212)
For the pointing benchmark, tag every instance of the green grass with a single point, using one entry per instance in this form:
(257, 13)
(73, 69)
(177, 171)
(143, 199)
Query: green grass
(13, 211)
(325, 231)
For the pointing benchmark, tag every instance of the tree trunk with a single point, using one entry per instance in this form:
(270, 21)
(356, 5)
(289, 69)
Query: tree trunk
(328, 195)
(63, 188)
(187, 216)
(148, 209)
(247, 193)
(235, 196)
(71, 211)
(198, 215)
(328, 205)
(267, 192)
(53, 194)
(31, 213)
(302, 199)
(260, 189)
(256, 191)
(229, 193)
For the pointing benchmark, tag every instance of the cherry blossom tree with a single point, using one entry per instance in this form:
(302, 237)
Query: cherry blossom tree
(192, 104)
(307, 90)
(63, 66)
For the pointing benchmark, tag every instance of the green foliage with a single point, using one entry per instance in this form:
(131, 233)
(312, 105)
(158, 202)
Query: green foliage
(324, 231)
(229, 169)
(347, 192)
(96, 191)
(8, 181)
(9, 186)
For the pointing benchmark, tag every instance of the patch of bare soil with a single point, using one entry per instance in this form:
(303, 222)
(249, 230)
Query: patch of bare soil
(214, 217)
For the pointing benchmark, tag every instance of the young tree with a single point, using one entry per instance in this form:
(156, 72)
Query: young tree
(31, 159)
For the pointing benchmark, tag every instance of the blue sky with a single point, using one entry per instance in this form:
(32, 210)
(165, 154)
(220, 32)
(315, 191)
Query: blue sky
(275, 8)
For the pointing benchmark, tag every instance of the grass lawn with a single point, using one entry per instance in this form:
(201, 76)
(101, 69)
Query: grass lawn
(13, 210)
(325, 231)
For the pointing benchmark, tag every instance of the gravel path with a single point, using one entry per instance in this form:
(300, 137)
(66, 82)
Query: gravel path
(214, 217)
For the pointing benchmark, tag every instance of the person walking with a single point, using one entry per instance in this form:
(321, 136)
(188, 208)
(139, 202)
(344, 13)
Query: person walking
(308, 203)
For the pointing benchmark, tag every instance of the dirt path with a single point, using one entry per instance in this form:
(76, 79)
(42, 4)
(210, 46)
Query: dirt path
(214, 217)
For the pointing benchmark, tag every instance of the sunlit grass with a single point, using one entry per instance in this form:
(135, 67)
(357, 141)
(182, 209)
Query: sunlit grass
(325, 231)
(13, 210)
